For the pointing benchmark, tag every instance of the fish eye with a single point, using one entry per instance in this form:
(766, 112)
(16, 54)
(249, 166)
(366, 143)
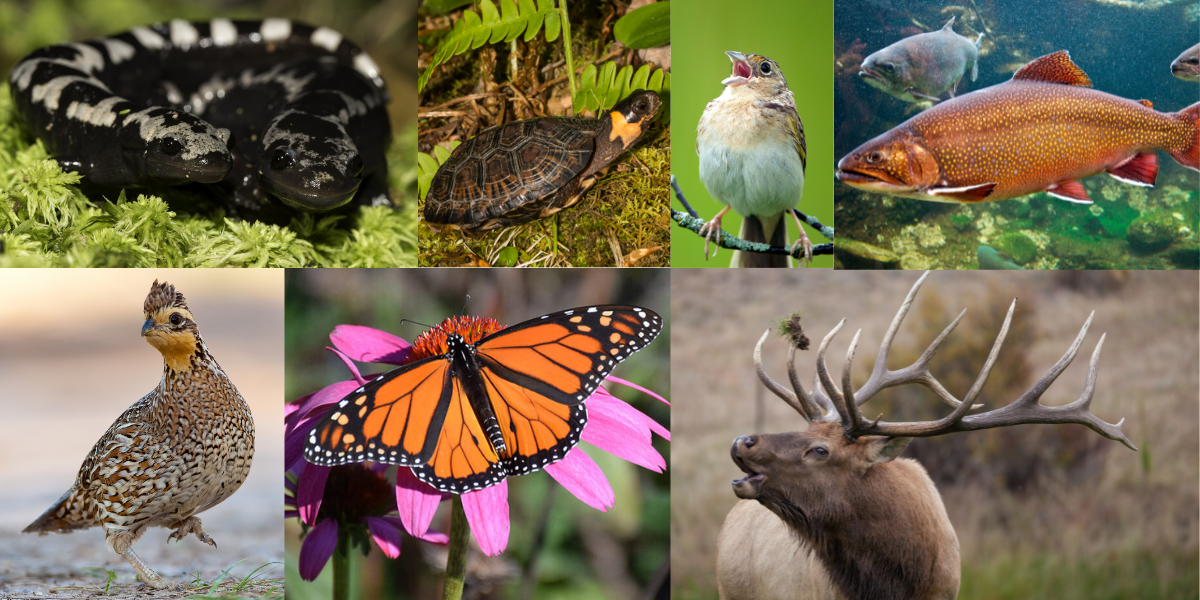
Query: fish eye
(875, 157)
(889, 67)
(171, 146)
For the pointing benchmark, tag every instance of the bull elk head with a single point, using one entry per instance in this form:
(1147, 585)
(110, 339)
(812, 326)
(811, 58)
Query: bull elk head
(877, 524)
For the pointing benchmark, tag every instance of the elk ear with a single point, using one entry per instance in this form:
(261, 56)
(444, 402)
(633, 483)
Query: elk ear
(884, 449)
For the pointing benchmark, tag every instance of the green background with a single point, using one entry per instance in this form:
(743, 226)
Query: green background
(799, 37)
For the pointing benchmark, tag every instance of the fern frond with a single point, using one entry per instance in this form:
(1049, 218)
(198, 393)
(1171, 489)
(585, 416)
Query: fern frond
(492, 26)
(604, 87)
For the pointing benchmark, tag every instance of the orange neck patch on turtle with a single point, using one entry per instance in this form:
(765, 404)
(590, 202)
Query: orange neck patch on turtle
(623, 129)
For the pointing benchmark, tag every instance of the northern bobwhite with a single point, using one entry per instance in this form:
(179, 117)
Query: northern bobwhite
(180, 450)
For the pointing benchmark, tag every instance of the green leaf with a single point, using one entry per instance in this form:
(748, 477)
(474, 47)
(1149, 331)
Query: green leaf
(492, 25)
(603, 87)
(646, 27)
(427, 166)
(441, 7)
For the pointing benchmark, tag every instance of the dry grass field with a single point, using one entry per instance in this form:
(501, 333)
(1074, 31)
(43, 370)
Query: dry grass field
(1040, 511)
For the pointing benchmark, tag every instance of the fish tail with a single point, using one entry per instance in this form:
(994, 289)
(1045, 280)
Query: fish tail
(1190, 156)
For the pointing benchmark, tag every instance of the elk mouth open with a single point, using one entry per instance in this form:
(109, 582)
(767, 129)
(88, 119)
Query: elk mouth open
(748, 487)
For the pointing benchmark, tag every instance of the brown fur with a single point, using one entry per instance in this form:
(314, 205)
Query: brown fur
(875, 522)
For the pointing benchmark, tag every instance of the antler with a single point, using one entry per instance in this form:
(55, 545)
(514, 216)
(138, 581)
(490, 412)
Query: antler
(1025, 409)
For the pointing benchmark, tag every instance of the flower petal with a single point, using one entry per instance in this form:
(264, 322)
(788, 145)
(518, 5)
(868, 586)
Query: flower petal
(581, 476)
(318, 546)
(299, 424)
(487, 513)
(636, 387)
(416, 501)
(367, 344)
(385, 534)
(353, 368)
(623, 431)
(310, 491)
(433, 537)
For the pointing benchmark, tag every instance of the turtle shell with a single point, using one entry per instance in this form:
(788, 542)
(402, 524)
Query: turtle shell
(512, 173)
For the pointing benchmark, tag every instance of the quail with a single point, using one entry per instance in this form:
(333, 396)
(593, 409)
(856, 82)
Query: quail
(180, 450)
(752, 151)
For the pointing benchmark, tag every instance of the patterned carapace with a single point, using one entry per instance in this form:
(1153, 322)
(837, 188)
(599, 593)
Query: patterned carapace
(480, 402)
(180, 450)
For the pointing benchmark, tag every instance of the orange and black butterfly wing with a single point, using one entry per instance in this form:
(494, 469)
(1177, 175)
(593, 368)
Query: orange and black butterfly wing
(537, 374)
(394, 418)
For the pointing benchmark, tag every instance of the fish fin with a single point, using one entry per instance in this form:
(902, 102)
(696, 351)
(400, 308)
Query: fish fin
(1141, 169)
(968, 194)
(1146, 103)
(975, 70)
(1190, 157)
(1071, 191)
(915, 94)
(1055, 67)
(979, 41)
(947, 26)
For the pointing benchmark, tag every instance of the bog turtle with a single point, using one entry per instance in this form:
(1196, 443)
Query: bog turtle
(531, 169)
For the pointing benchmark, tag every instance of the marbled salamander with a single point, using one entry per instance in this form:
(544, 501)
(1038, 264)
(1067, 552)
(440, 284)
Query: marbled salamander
(156, 105)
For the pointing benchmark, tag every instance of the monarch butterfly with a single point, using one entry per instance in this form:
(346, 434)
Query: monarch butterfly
(484, 402)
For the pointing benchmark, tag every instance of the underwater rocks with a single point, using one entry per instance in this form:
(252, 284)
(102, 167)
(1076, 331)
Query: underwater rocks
(1017, 246)
(853, 254)
(1155, 230)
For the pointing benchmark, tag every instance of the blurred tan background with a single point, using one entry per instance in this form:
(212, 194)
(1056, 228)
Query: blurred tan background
(1048, 511)
(71, 360)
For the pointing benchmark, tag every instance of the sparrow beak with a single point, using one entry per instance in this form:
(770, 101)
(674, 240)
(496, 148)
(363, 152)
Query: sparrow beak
(741, 69)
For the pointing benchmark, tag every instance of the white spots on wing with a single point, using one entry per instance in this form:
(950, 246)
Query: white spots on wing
(274, 30)
(326, 38)
(223, 32)
(148, 38)
(118, 50)
(101, 114)
(183, 34)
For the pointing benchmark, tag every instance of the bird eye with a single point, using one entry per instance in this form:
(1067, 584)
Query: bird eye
(765, 68)
(171, 146)
(874, 157)
(176, 319)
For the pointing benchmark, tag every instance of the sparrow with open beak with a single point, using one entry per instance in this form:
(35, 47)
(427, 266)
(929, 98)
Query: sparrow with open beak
(752, 157)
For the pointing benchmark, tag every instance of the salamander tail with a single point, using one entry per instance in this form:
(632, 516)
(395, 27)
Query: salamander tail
(1190, 157)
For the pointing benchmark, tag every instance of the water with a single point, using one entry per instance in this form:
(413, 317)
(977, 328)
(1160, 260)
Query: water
(1125, 51)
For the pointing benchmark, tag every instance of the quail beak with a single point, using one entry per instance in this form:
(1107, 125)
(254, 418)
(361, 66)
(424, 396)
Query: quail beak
(147, 327)
(742, 72)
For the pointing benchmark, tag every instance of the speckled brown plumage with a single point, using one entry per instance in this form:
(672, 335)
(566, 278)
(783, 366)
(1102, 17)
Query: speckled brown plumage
(180, 450)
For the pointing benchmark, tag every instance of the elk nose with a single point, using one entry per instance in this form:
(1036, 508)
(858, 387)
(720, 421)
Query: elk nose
(744, 440)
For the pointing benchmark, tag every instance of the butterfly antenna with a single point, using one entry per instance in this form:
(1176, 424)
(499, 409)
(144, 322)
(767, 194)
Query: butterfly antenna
(403, 321)
(464, 308)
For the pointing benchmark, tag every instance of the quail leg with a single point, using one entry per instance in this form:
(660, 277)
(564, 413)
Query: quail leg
(711, 230)
(121, 541)
(191, 525)
(803, 241)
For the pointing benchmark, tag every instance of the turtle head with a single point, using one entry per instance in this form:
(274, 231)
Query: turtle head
(623, 125)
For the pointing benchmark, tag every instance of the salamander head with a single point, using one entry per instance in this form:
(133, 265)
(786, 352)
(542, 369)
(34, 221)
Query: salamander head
(175, 148)
(309, 163)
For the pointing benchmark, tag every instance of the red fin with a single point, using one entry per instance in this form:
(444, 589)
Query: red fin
(1141, 169)
(972, 193)
(1071, 191)
(1053, 68)
(1146, 103)
(1190, 157)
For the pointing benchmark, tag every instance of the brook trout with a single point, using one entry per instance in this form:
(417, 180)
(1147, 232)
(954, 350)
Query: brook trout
(1187, 66)
(923, 66)
(1041, 131)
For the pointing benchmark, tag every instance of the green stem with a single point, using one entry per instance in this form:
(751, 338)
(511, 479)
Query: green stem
(341, 574)
(566, 33)
(456, 563)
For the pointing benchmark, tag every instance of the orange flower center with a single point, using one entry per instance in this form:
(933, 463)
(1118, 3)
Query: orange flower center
(472, 329)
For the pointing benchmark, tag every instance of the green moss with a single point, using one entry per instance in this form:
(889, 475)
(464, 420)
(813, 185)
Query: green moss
(1153, 231)
(46, 221)
(1017, 246)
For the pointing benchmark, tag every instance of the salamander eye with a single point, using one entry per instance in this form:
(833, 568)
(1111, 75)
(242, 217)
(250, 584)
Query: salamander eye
(355, 166)
(875, 157)
(176, 319)
(283, 159)
(171, 146)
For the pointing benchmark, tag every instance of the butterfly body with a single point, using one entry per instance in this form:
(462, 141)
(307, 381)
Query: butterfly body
(481, 402)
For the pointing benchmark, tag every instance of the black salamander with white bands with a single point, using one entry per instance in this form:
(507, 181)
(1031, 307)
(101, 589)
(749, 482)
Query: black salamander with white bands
(244, 76)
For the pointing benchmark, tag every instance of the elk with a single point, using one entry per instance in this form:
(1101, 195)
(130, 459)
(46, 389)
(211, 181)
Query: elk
(845, 516)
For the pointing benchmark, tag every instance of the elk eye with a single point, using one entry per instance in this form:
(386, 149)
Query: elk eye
(819, 451)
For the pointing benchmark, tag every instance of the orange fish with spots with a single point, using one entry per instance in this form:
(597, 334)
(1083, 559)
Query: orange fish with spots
(1042, 131)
